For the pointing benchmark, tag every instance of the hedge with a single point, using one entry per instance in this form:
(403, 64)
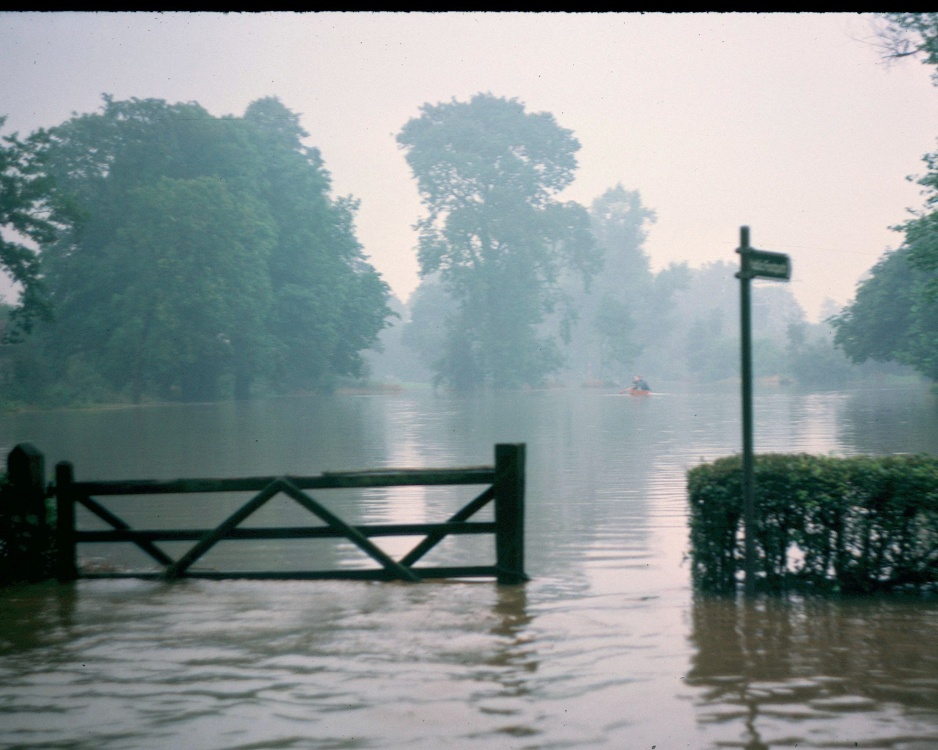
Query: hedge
(849, 525)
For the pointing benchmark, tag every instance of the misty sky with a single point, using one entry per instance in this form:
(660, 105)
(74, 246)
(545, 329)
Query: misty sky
(789, 123)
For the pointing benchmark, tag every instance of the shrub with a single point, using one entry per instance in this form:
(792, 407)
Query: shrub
(850, 525)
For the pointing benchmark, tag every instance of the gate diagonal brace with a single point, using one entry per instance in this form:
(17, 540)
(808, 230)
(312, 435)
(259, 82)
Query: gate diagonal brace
(287, 487)
(435, 537)
(208, 541)
(105, 515)
(353, 534)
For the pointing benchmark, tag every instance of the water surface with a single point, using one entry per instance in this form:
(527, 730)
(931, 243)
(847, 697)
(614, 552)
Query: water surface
(606, 646)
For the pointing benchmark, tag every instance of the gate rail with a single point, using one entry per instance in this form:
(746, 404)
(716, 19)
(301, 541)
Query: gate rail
(505, 489)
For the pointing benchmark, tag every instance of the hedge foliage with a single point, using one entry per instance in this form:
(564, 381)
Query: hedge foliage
(849, 525)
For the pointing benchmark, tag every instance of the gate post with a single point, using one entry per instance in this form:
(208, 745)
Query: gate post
(509, 513)
(30, 540)
(66, 566)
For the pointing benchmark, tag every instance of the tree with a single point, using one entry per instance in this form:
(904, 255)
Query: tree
(31, 210)
(613, 312)
(487, 172)
(893, 317)
(430, 312)
(210, 254)
(191, 294)
(910, 35)
(330, 304)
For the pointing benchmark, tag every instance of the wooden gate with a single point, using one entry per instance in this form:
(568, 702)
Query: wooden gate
(505, 488)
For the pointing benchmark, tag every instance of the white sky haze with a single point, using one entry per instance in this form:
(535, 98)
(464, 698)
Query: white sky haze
(789, 123)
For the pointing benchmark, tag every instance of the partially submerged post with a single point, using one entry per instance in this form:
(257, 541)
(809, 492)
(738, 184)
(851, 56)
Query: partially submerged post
(753, 264)
(66, 562)
(28, 547)
(509, 513)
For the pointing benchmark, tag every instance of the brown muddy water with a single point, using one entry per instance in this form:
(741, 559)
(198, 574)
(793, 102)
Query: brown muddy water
(606, 647)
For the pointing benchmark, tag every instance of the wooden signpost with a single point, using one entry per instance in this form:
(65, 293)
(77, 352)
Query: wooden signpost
(753, 264)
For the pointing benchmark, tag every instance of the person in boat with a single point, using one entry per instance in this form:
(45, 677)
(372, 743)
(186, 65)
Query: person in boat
(639, 384)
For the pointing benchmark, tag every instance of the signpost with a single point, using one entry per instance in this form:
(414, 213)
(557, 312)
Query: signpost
(753, 264)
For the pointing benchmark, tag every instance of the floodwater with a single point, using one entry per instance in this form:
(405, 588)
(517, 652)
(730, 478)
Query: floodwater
(606, 647)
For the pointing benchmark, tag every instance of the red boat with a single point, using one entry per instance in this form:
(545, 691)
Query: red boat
(636, 392)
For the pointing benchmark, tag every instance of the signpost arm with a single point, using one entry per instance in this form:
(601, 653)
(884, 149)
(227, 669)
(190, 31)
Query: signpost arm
(748, 483)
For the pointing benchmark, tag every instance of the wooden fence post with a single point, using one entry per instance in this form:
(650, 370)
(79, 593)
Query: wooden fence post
(509, 513)
(26, 472)
(29, 547)
(66, 566)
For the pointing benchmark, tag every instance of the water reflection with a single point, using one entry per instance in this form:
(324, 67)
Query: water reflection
(605, 648)
(30, 615)
(886, 421)
(821, 672)
(210, 665)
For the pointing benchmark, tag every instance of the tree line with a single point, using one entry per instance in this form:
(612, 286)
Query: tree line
(164, 253)
(894, 316)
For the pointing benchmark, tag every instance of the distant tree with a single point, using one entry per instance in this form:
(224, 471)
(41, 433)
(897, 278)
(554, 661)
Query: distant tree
(813, 359)
(330, 304)
(190, 291)
(894, 315)
(613, 311)
(431, 310)
(699, 331)
(487, 172)
(31, 211)
(210, 252)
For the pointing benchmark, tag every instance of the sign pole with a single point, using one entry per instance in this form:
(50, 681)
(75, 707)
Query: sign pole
(745, 333)
(753, 264)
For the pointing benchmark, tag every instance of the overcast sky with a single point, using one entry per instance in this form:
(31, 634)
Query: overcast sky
(788, 123)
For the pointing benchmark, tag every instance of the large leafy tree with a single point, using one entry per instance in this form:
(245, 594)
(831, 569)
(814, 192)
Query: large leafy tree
(210, 253)
(893, 317)
(329, 303)
(192, 292)
(32, 214)
(488, 172)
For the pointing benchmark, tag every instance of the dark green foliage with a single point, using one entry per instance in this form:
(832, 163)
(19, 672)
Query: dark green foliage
(209, 256)
(848, 525)
(893, 317)
(31, 209)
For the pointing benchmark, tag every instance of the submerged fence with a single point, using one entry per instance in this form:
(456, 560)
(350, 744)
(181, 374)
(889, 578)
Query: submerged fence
(505, 490)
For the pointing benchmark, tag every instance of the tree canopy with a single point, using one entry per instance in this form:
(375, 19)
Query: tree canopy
(210, 254)
(910, 35)
(488, 172)
(32, 214)
(893, 317)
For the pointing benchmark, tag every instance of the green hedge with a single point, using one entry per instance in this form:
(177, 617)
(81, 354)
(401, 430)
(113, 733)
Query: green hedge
(850, 525)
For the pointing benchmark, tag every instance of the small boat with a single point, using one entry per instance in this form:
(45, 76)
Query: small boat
(636, 392)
